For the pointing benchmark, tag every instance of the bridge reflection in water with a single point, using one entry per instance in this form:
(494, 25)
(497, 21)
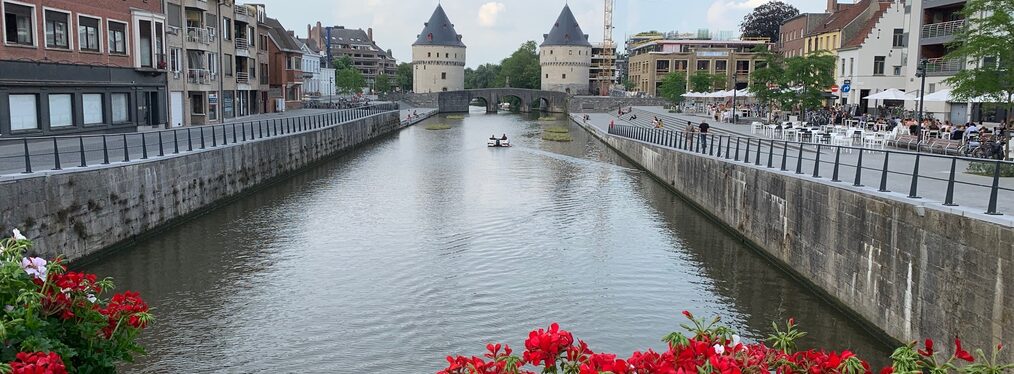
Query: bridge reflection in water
(427, 243)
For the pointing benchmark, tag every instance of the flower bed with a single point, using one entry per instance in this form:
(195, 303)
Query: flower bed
(56, 321)
(710, 349)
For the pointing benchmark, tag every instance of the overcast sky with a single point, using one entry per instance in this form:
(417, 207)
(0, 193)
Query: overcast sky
(492, 29)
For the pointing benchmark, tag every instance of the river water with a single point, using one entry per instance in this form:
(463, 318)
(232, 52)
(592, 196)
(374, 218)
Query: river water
(427, 243)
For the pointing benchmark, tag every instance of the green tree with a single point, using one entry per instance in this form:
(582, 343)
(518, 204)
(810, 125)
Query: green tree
(484, 76)
(766, 83)
(701, 81)
(342, 63)
(673, 87)
(719, 82)
(349, 80)
(521, 69)
(403, 76)
(383, 83)
(766, 20)
(795, 82)
(628, 84)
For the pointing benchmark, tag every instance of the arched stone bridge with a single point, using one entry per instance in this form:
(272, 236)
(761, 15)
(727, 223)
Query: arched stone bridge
(547, 101)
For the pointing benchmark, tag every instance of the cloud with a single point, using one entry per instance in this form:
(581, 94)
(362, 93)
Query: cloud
(726, 14)
(489, 12)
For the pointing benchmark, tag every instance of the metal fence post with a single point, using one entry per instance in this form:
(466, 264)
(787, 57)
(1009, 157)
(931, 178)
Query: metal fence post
(176, 142)
(28, 157)
(144, 147)
(837, 160)
(859, 170)
(56, 155)
(759, 150)
(214, 137)
(234, 133)
(105, 151)
(746, 155)
(785, 155)
(994, 191)
(913, 192)
(242, 127)
(949, 198)
(737, 149)
(883, 175)
(161, 151)
(771, 153)
(80, 145)
(799, 160)
(126, 149)
(728, 143)
(190, 141)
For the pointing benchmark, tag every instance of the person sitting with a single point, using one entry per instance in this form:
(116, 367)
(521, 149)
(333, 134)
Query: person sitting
(633, 117)
(492, 137)
(958, 133)
(504, 137)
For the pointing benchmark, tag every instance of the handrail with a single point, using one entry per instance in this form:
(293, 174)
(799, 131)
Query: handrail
(781, 154)
(82, 151)
(935, 30)
(944, 64)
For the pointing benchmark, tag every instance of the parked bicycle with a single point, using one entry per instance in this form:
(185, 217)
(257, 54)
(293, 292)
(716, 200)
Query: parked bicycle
(989, 148)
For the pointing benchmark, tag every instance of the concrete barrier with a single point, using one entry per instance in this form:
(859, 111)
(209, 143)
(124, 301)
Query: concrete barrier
(907, 271)
(77, 213)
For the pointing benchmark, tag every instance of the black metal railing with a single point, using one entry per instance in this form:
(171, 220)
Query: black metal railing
(28, 155)
(975, 182)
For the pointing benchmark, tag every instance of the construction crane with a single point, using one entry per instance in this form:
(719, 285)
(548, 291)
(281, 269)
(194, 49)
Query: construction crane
(608, 59)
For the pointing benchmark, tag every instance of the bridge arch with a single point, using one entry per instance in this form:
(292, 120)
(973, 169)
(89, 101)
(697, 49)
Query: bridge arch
(459, 101)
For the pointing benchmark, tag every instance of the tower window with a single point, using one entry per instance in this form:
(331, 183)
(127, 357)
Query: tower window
(565, 76)
(443, 75)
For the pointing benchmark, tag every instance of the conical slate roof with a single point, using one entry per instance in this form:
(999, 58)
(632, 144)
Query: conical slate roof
(439, 31)
(566, 31)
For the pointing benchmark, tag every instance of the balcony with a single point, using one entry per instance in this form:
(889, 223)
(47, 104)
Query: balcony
(200, 35)
(242, 78)
(944, 66)
(942, 29)
(293, 76)
(242, 11)
(199, 76)
(242, 47)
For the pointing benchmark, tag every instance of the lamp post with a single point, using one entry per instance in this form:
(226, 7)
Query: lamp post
(921, 73)
(735, 90)
(330, 91)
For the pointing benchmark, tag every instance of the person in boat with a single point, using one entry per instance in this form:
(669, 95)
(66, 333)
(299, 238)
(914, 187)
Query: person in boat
(492, 137)
(504, 137)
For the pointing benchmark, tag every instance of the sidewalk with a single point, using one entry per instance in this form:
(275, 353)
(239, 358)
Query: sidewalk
(971, 191)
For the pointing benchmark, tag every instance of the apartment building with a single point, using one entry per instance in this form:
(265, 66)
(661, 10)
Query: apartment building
(285, 64)
(313, 80)
(933, 24)
(71, 66)
(873, 60)
(651, 62)
(792, 34)
(213, 61)
(367, 57)
(603, 69)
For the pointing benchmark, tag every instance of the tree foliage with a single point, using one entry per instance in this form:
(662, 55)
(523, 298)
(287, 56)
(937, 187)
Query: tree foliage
(483, 76)
(673, 87)
(795, 82)
(342, 63)
(403, 76)
(986, 41)
(521, 69)
(349, 80)
(765, 20)
(383, 83)
(702, 81)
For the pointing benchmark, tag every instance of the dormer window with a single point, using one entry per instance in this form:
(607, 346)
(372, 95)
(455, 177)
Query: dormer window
(429, 37)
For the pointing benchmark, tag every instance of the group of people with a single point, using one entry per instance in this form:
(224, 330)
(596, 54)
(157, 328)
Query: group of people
(493, 137)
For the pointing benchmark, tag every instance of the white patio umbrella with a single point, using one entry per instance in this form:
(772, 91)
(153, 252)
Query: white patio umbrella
(890, 94)
(744, 93)
(942, 96)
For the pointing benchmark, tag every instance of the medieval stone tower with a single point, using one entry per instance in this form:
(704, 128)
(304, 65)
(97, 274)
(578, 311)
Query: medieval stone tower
(565, 56)
(438, 56)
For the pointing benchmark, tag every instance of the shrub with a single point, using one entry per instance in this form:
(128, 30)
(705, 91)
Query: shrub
(988, 168)
(56, 321)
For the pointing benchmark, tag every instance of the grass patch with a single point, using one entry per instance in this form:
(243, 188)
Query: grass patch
(988, 168)
(455, 116)
(557, 137)
(547, 119)
(558, 130)
(438, 126)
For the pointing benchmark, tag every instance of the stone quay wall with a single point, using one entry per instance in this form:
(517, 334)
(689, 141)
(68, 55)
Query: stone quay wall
(608, 104)
(906, 271)
(77, 213)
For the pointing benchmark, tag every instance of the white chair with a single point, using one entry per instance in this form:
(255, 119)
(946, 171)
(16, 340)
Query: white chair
(754, 126)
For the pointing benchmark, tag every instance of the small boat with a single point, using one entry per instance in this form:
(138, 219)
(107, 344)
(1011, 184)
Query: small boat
(493, 143)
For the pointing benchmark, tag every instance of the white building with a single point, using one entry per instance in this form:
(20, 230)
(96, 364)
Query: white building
(565, 56)
(874, 60)
(311, 67)
(328, 87)
(438, 56)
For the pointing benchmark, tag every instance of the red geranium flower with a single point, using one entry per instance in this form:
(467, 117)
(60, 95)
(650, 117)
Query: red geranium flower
(961, 353)
(929, 349)
(38, 363)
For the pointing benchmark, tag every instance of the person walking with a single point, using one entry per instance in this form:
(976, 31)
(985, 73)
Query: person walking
(690, 131)
(704, 127)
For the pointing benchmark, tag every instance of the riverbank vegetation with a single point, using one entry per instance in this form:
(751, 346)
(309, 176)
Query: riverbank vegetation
(711, 348)
(438, 126)
(57, 321)
(557, 134)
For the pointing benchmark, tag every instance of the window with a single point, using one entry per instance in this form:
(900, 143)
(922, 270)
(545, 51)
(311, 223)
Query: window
(117, 38)
(57, 29)
(88, 33)
(19, 25)
(148, 42)
(852, 61)
(227, 66)
(429, 54)
(897, 70)
(174, 60)
(704, 65)
(443, 75)
(570, 52)
(23, 111)
(196, 104)
(212, 106)
(899, 38)
(264, 73)
(226, 28)
(213, 64)
(91, 105)
(564, 76)
(174, 15)
(447, 55)
(61, 110)
(721, 65)
(264, 42)
(120, 113)
(878, 65)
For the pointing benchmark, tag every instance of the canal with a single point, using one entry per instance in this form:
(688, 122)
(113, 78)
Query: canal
(427, 243)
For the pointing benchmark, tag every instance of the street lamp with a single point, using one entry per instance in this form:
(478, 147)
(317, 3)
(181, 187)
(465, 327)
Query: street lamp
(330, 91)
(920, 73)
(734, 92)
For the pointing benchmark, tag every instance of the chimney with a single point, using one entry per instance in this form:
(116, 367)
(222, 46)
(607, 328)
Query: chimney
(832, 6)
(309, 32)
(369, 33)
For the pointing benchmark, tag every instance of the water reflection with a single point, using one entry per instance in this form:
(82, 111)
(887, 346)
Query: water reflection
(427, 243)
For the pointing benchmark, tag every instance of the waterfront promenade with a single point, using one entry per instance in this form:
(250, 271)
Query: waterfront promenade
(971, 192)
